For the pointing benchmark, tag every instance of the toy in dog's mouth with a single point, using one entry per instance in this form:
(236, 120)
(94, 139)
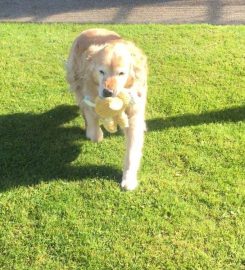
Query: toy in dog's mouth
(116, 104)
(111, 110)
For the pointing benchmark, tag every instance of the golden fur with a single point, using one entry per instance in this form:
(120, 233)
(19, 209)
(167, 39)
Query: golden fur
(100, 59)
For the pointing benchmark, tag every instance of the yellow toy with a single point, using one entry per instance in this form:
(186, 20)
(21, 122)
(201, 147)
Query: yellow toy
(111, 110)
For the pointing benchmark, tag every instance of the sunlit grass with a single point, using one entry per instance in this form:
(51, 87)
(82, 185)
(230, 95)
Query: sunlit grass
(61, 206)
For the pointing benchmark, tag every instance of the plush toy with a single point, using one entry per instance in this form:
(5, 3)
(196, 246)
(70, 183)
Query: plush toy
(111, 110)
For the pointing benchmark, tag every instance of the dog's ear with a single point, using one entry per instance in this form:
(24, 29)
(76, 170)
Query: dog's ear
(138, 69)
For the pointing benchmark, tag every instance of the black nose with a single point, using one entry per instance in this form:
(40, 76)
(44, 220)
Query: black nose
(107, 93)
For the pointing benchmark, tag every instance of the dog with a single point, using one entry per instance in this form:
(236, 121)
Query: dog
(103, 64)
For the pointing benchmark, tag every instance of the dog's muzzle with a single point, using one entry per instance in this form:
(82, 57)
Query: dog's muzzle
(107, 93)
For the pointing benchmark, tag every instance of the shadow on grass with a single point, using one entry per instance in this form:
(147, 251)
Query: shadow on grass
(36, 148)
(235, 114)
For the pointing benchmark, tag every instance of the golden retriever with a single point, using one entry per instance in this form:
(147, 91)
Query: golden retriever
(102, 63)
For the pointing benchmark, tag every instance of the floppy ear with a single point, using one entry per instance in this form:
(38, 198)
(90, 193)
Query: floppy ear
(138, 68)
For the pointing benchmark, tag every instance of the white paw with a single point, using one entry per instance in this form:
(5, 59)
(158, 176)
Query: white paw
(95, 135)
(130, 184)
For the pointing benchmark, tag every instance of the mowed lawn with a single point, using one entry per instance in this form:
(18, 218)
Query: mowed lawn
(61, 206)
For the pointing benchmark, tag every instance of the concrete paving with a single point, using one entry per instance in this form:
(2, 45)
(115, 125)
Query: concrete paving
(124, 11)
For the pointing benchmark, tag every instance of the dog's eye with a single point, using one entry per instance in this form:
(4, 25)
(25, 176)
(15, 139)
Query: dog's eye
(121, 73)
(102, 72)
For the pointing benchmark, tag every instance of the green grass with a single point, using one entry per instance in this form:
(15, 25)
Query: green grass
(61, 206)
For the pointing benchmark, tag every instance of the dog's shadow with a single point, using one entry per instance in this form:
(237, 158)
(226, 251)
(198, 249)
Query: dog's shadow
(38, 147)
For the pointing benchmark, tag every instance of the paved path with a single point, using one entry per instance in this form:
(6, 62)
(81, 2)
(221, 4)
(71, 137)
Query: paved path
(124, 11)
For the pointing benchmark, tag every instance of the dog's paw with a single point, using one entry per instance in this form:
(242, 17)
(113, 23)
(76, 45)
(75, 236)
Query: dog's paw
(95, 136)
(129, 185)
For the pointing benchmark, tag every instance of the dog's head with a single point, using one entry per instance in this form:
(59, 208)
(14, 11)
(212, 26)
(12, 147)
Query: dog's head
(112, 67)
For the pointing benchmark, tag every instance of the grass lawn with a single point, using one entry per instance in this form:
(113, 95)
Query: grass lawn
(61, 206)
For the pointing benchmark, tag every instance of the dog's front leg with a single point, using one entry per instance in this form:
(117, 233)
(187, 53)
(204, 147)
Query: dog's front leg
(93, 130)
(134, 143)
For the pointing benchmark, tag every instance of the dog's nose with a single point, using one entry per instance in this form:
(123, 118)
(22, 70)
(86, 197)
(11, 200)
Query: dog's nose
(107, 93)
